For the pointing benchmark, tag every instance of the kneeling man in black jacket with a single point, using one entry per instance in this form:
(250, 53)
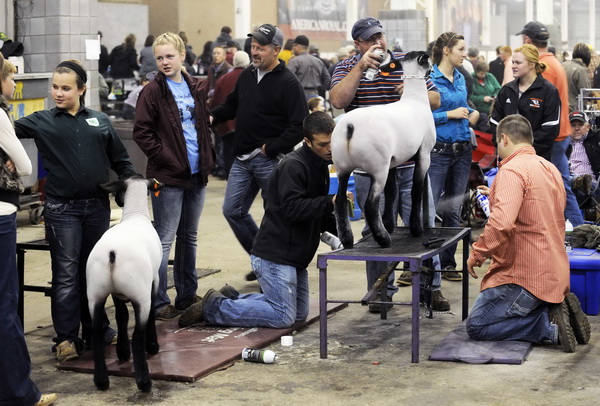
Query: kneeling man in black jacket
(298, 210)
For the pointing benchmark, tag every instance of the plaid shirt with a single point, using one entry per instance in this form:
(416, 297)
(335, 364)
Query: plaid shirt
(579, 161)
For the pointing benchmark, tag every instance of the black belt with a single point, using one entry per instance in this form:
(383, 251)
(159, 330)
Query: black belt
(454, 147)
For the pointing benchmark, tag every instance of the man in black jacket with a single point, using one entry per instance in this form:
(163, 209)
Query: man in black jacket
(298, 210)
(269, 106)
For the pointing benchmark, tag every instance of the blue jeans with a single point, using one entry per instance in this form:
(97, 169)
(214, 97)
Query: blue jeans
(509, 313)
(177, 214)
(449, 173)
(72, 228)
(559, 159)
(17, 388)
(283, 302)
(246, 178)
(404, 177)
(404, 203)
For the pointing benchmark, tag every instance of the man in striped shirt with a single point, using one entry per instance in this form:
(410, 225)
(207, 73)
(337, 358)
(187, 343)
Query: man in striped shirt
(523, 292)
(351, 89)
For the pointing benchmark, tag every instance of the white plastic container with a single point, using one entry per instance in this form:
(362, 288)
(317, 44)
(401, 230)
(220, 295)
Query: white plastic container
(568, 236)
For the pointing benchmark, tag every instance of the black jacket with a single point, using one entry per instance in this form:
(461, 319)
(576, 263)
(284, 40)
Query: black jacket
(298, 209)
(591, 144)
(497, 69)
(270, 112)
(540, 104)
(76, 150)
(123, 61)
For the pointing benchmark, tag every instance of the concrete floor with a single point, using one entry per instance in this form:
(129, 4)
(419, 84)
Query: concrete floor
(369, 359)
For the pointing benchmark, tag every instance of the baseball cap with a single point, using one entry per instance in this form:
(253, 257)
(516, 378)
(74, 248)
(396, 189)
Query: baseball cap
(268, 34)
(366, 27)
(579, 116)
(301, 40)
(535, 30)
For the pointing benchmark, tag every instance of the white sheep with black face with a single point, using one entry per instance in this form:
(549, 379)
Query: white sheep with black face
(378, 138)
(124, 263)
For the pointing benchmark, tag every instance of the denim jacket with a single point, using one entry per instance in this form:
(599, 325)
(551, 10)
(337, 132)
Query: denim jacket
(453, 95)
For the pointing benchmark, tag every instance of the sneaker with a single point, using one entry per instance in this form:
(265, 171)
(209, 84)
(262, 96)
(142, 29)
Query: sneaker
(405, 279)
(578, 319)
(194, 313)
(376, 307)
(451, 274)
(188, 302)
(559, 315)
(47, 399)
(66, 351)
(229, 292)
(438, 302)
(251, 276)
(167, 312)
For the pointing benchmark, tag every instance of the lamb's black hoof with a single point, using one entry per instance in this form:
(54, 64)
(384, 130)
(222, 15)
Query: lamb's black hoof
(383, 240)
(416, 230)
(102, 383)
(152, 348)
(145, 385)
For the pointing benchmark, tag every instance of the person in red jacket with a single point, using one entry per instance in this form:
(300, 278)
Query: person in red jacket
(223, 87)
(171, 128)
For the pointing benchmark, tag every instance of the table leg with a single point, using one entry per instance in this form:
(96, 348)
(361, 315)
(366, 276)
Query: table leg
(323, 311)
(465, 292)
(415, 268)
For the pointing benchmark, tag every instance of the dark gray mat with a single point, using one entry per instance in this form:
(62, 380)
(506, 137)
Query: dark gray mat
(202, 273)
(458, 347)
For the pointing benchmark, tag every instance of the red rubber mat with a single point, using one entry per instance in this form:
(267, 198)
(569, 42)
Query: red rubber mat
(187, 354)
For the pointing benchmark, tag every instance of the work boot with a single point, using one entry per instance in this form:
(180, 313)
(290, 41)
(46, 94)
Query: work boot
(451, 274)
(188, 302)
(438, 302)
(578, 319)
(167, 312)
(229, 292)
(195, 313)
(376, 307)
(66, 351)
(405, 279)
(559, 315)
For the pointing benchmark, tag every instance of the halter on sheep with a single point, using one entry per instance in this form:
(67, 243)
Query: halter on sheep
(124, 263)
(377, 139)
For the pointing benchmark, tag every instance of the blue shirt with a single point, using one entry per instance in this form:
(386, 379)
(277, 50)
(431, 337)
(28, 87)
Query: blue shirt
(452, 95)
(185, 104)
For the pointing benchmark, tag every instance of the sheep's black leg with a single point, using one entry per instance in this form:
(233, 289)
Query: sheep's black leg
(390, 193)
(373, 215)
(138, 344)
(416, 227)
(152, 345)
(341, 212)
(100, 371)
(426, 212)
(122, 316)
